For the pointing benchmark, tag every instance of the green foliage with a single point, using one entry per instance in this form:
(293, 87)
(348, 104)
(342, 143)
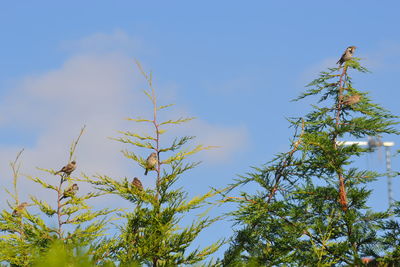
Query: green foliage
(389, 251)
(26, 235)
(69, 233)
(153, 234)
(60, 254)
(310, 209)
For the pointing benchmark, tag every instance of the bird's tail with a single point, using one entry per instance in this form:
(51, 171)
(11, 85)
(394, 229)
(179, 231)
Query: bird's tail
(147, 170)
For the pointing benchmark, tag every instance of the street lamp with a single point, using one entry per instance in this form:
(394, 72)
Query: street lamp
(373, 143)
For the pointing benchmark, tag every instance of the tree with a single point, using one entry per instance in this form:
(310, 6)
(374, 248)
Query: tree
(27, 236)
(152, 234)
(311, 208)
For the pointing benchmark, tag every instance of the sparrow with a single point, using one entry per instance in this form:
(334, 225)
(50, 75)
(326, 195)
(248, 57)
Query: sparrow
(137, 183)
(151, 162)
(68, 169)
(351, 100)
(70, 191)
(347, 55)
(19, 209)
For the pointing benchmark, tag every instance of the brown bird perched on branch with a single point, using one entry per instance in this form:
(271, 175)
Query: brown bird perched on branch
(151, 162)
(347, 55)
(70, 191)
(19, 209)
(69, 168)
(351, 100)
(137, 183)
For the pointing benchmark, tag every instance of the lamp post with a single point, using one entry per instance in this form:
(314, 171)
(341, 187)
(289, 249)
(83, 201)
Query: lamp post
(373, 143)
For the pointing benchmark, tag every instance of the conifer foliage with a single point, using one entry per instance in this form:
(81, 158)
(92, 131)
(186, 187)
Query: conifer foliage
(35, 225)
(310, 209)
(152, 234)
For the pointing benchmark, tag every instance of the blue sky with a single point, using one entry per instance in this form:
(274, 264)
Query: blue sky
(233, 65)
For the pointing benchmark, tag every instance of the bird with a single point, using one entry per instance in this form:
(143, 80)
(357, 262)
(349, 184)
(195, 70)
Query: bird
(68, 169)
(70, 191)
(351, 100)
(19, 209)
(347, 55)
(137, 183)
(151, 162)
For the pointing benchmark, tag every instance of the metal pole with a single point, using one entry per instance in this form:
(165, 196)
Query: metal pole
(389, 175)
(387, 146)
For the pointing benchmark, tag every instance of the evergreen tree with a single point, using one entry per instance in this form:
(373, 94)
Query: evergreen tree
(152, 234)
(26, 236)
(311, 207)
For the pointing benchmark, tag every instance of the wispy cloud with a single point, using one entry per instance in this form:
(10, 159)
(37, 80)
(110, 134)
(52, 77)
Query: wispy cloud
(92, 90)
(98, 90)
(97, 43)
(229, 140)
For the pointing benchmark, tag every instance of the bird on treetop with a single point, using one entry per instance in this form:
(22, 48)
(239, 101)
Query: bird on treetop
(68, 169)
(347, 55)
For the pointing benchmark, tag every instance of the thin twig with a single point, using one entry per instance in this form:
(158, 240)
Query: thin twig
(15, 169)
(240, 198)
(75, 143)
(286, 163)
(157, 139)
(342, 187)
(63, 178)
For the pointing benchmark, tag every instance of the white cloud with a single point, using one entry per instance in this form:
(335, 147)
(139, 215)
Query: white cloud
(92, 90)
(96, 89)
(228, 139)
(118, 40)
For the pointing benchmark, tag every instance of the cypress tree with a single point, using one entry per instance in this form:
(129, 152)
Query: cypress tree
(26, 233)
(311, 205)
(153, 234)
